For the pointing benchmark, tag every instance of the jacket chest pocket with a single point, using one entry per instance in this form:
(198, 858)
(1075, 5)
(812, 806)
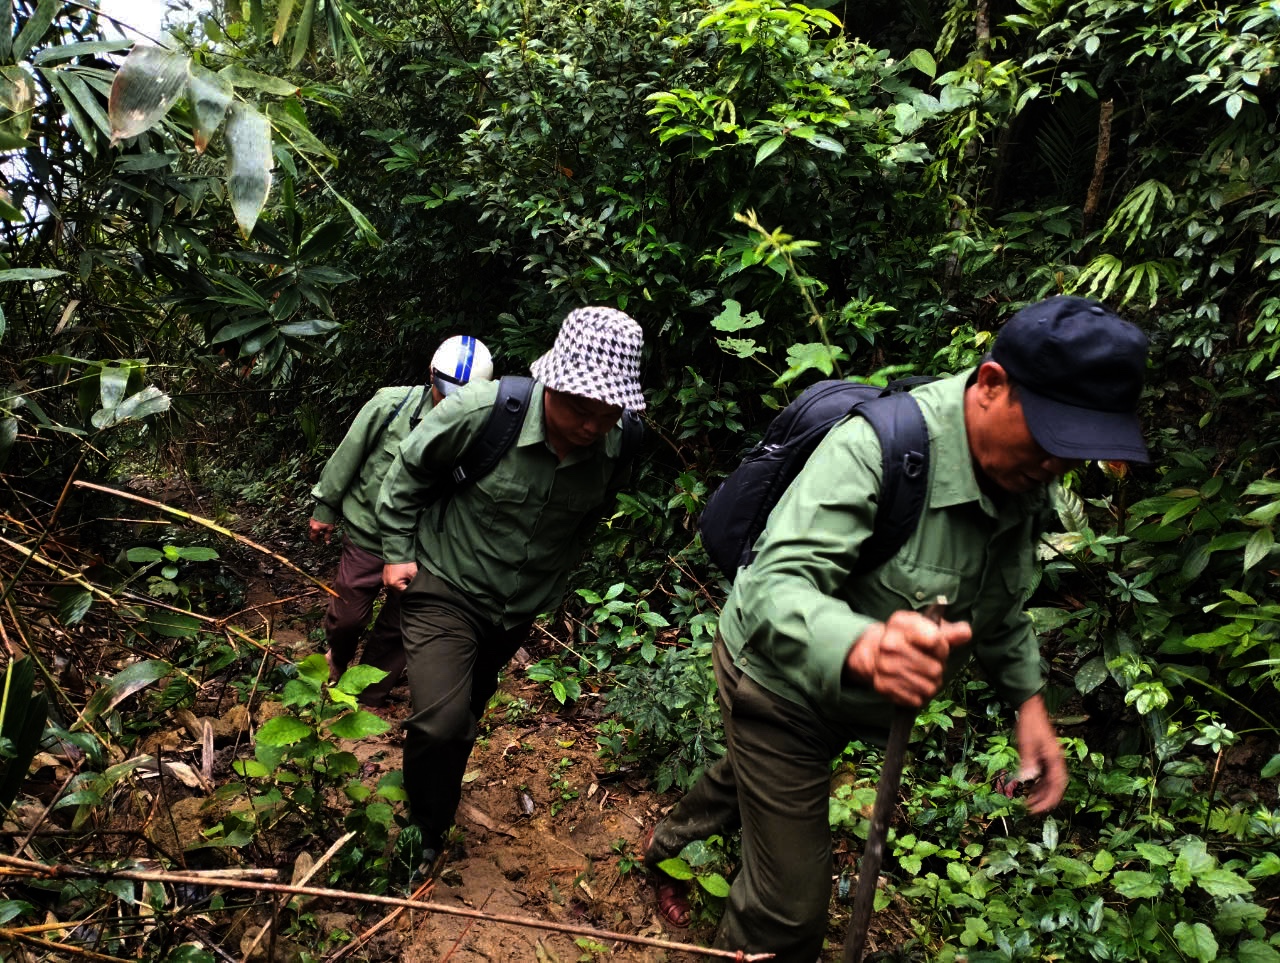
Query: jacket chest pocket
(915, 587)
(502, 504)
(569, 507)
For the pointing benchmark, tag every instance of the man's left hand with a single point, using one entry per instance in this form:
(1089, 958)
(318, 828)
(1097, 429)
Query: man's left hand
(320, 531)
(1042, 759)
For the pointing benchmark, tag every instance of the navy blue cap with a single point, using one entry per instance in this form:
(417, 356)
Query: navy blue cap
(1079, 369)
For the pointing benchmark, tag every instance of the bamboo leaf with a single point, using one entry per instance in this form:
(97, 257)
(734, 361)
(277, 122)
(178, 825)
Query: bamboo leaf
(88, 101)
(302, 35)
(363, 224)
(147, 84)
(149, 401)
(308, 328)
(84, 127)
(35, 28)
(174, 625)
(88, 48)
(248, 165)
(282, 21)
(124, 684)
(6, 32)
(29, 274)
(210, 95)
(244, 77)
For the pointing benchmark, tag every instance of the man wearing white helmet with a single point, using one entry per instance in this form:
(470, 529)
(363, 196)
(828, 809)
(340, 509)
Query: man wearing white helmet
(348, 489)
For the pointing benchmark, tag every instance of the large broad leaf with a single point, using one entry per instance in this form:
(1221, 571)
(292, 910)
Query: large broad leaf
(1259, 547)
(124, 684)
(731, 319)
(283, 731)
(113, 379)
(148, 83)
(358, 724)
(248, 164)
(1196, 941)
(149, 401)
(210, 97)
(17, 97)
(174, 625)
(73, 602)
(8, 210)
(803, 357)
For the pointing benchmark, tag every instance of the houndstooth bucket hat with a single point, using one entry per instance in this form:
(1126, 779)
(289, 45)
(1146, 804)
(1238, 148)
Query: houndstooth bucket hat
(597, 356)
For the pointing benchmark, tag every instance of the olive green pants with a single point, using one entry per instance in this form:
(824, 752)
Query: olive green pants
(454, 654)
(772, 784)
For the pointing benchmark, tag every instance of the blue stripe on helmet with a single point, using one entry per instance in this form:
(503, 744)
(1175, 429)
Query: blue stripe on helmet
(465, 359)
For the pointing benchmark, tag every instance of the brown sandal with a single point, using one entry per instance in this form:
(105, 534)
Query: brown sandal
(672, 894)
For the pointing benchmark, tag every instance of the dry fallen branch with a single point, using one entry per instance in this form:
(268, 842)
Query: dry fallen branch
(23, 868)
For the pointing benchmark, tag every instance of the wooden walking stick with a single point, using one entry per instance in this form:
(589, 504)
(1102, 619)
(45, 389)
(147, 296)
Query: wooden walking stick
(895, 755)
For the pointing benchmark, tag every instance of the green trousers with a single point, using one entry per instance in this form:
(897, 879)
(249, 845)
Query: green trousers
(454, 654)
(773, 785)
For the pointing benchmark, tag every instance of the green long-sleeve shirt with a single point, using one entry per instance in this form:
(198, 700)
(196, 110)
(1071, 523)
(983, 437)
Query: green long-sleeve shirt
(796, 610)
(510, 539)
(349, 484)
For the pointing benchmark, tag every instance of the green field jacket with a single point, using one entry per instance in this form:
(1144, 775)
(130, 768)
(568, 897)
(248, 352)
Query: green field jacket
(510, 539)
(794, 613)
(349, 484)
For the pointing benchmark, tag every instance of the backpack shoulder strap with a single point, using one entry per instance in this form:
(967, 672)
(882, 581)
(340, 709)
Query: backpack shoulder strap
(376, 443)
(904, 446)
(632, 436)
(499, 433)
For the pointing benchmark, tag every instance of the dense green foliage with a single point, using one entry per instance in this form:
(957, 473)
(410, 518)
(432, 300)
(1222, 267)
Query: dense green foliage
(911, 180)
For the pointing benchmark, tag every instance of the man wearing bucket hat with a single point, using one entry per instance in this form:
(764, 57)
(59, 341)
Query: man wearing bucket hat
(812, 653)
(477, 567)
(348, 489)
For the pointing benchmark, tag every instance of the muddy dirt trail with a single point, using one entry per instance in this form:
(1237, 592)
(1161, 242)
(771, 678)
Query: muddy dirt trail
(547, 830)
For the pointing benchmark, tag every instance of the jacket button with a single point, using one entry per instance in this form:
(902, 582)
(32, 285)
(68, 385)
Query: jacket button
(920, 596)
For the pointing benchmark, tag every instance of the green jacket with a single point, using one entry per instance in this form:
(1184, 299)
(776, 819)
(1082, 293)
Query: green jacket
(794, 612)
(510, 539)
(349, 483)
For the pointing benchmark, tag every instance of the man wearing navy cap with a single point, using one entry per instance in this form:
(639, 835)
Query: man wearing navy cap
(812, 653)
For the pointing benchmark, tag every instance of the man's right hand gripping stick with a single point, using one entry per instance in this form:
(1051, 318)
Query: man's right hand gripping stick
(903, 658)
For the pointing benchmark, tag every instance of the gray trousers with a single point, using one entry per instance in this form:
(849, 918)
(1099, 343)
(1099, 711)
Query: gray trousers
(454, 656)
(772, 784)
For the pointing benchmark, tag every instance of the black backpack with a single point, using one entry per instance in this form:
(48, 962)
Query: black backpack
(737, 511)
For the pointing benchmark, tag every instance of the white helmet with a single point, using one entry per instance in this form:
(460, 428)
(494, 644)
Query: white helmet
(459, 360)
